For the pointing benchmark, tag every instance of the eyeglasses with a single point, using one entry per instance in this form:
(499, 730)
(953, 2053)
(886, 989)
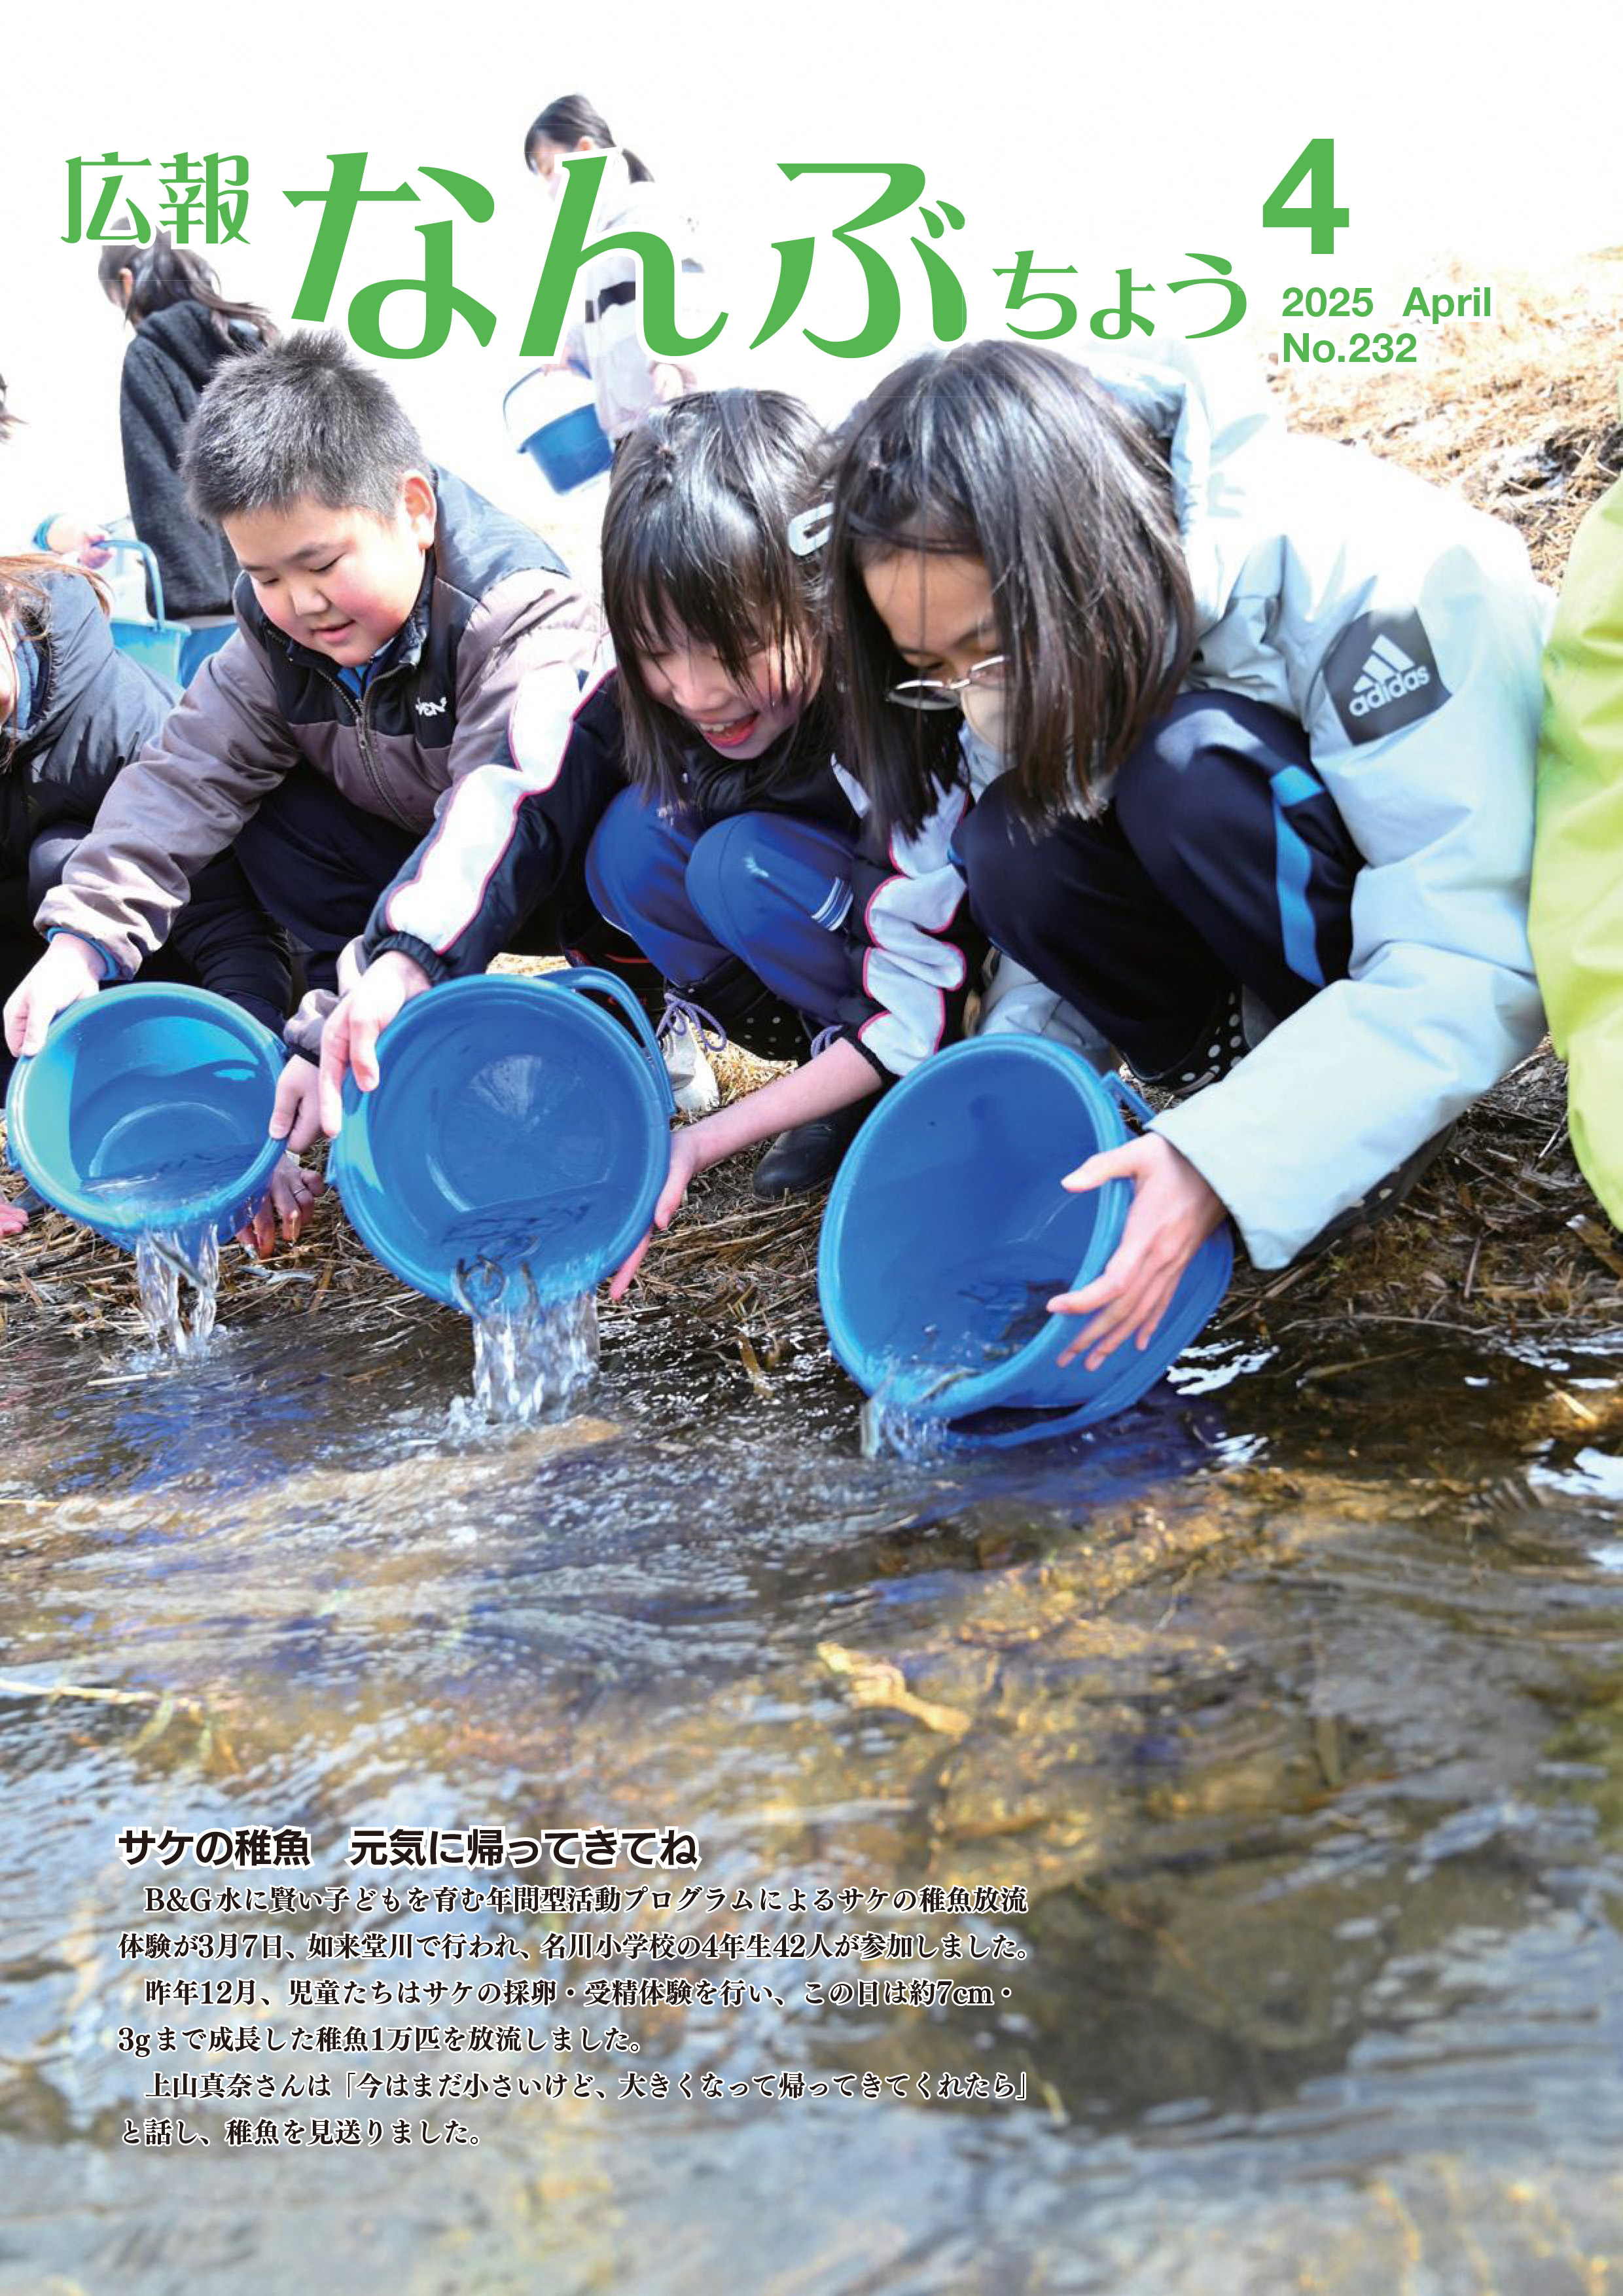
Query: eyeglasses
(942, 692)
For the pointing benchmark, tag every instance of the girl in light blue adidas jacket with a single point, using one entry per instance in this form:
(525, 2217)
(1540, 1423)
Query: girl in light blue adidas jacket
(1244, 766)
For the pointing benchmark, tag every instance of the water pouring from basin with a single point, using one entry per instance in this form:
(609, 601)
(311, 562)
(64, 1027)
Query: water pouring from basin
(509, 1159)
(947, 1231)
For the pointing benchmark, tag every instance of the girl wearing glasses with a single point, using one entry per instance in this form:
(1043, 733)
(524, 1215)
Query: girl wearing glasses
(1226, 737)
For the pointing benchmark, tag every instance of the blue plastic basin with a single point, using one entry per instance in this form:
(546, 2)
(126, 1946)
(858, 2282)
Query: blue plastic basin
(550, 414)
(518, 1137)
(199, 645)
(146, 1108)
(571, 450)
(947, 1231)
(156, 645)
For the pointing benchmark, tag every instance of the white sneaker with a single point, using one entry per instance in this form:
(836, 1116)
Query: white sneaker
(693, 1080)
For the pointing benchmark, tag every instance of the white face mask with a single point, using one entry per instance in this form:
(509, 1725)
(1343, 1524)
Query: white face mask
(985, 712)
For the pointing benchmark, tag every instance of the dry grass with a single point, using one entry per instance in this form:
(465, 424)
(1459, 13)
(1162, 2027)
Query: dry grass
(1502, 1239)
(1519, 417)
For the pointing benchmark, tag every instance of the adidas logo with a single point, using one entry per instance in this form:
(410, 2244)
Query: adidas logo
(1386, 676)
(432, 708)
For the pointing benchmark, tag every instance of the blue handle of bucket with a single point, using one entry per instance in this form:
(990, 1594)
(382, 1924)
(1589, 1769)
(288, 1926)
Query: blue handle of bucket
(1132, 1099)
(594, 980)
(576, 366)
(128, 542)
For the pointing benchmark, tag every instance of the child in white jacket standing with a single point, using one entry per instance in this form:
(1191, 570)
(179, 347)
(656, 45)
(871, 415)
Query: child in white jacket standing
(604, 336)
(1248, 733)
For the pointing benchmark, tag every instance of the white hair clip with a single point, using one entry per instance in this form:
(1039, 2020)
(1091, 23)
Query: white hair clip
(808, 530)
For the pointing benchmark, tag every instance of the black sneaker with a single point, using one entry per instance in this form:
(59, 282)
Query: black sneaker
(1221, 1046)
(810, 1154)
(1384, 1197)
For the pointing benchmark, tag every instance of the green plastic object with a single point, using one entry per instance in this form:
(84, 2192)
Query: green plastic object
(1577, 921)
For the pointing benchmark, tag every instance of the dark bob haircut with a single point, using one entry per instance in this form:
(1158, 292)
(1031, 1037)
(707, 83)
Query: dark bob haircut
(696, 543)
(1010, 453)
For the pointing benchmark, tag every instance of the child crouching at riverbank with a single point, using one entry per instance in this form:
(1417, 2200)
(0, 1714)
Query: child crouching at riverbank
(394, 630)
(73, 713)
(727, 859)
(1228, 737)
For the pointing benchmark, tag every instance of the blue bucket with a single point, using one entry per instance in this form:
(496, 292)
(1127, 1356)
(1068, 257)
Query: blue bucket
(147, 1108)
(947, 1231)
(571, 447)
(518, 1137)
(199, 644)
(155, 644)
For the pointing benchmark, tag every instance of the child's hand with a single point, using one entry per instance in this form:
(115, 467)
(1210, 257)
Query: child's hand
(296, 1117)
(69, 969)
(293, 1191)
(350, 1040)
(670, 380)
(687, 1160)
(14, 1219)
(84, 545)
(1173, 1213)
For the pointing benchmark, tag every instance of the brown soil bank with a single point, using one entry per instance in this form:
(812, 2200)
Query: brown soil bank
(1502, 1239)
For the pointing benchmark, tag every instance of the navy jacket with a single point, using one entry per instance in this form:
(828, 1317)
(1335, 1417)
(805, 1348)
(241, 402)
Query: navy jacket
(499, 855)
(93, 710)
(166, 366)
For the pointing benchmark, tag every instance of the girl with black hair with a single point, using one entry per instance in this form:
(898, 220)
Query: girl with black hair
(1225, 737)
(183, 327)
(729, 859)
(604, 339)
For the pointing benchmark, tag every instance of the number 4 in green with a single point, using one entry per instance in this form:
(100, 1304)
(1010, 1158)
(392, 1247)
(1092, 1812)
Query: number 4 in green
(1316, 162)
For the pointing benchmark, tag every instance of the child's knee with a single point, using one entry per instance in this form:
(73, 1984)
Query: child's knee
(619, 855)
(1179, 778)
(49, 855)
(1010, 889)
(1157, 788)
(731, 879)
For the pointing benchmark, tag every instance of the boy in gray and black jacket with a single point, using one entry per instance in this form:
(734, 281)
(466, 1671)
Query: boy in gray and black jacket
(404, 652)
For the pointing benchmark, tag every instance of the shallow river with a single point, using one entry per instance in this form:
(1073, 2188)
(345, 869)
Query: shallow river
(1293, 1703)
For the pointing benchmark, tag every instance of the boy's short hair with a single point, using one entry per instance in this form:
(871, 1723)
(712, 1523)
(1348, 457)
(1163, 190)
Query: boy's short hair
(301, 417)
